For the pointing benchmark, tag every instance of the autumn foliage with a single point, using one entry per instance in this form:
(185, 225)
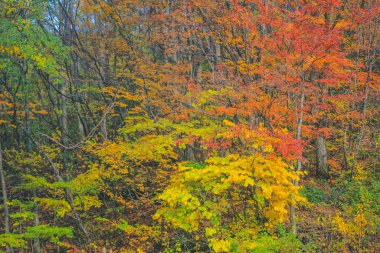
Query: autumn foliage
(189, 126)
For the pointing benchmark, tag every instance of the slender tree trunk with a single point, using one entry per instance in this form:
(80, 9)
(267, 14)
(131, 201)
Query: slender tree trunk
(103, 128)
(64, 129)
(218, 53)
(80, 128)
(345, 149)
(293, 222)
(36, 243)
(28, 145)
(63, 120)
(361, 135)
(69, 195)
(5, 199)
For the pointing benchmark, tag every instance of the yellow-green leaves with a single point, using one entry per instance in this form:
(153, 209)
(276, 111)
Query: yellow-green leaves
(226, 189)
(60, 206)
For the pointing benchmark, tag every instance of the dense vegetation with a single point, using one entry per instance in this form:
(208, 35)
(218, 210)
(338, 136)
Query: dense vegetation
(189, 126)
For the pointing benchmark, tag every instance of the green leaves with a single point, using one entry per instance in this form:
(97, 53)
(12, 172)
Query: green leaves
(285, 243)
(51, 233)
(14, 240)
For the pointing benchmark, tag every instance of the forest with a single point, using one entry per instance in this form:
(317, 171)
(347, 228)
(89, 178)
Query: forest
(189, 126)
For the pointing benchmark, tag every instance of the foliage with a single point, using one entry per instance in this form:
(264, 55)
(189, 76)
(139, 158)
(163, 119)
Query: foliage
(209, 198)
(189, 126)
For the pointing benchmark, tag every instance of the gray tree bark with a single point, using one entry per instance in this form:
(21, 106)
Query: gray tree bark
(321, 159)
(293, 222)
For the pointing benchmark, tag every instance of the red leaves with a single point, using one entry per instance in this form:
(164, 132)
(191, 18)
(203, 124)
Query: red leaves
(288, 147)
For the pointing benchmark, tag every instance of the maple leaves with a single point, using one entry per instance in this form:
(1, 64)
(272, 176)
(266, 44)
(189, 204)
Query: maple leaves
(186, 125)
(202, 194)
(205, 194)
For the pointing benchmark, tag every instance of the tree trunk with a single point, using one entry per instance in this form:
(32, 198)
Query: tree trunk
(36, 243)
(28, 145)
(362, 130)
(321, 152)
(80, 128)
(293, 222)
(5, 200)
(346, 166)
(218, 53)
(103, 128)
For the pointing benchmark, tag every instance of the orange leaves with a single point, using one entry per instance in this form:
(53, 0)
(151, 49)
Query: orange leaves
(40, 112)
(120, 94)
(226, 111)
(5, 103)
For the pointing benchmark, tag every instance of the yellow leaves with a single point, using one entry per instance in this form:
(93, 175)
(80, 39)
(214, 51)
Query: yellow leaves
(88, 181)
(268, 149)
(354, 226)
(205, 97)
(228, 123)
(51, 150)
(12, 50)
(220, 245)
(209, 231)
(360, 219)
(39, 60)
(204, 194)
(361, 174)
(201, 195)
(86, 202)
(179, 195)
(112, 154)
(340, 224)
(266, 191)
(140, 236)
(60, 206)
(238, 177)
(27, 51)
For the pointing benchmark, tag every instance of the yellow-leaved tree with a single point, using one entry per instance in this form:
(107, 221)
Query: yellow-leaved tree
(230, 203)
